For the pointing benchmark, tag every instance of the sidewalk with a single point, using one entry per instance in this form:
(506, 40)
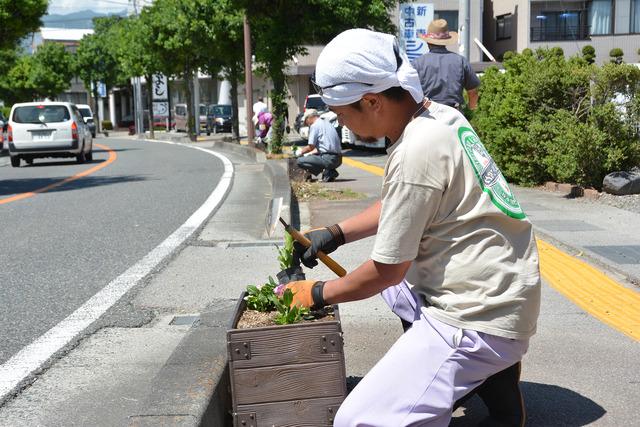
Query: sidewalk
(159, 356)
(578, 370)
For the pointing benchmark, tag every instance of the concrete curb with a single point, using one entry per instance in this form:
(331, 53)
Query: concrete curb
(192, 388)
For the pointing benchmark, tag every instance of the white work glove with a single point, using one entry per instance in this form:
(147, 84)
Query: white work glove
(297, 151)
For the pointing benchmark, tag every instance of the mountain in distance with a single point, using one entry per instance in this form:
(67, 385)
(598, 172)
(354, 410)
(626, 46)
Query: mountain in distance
(79, 20)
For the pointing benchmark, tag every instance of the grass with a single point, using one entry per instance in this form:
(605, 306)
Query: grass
(306, 191)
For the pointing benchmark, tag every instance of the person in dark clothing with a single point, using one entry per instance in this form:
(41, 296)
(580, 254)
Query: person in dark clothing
(444, 74)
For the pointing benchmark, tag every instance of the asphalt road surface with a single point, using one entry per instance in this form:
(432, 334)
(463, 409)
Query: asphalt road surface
(60, 246)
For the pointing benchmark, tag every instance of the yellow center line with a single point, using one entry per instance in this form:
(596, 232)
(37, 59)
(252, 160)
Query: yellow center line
(22, 196)
(584, 285)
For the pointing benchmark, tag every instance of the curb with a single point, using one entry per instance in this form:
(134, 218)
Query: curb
(572, 190)
(192, 388)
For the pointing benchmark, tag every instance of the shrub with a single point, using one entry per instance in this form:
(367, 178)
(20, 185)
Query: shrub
(567, 120)
(107, 125)
(616, 55)
(589, 54)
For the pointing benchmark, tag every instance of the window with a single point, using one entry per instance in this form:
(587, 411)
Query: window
(451, 16)
(565, 25)
(627, 17)
(635, 16)
(503, 27)
(600, 17)
(41, 114)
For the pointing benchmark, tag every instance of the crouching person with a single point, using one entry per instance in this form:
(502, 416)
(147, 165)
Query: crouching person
(323, 154)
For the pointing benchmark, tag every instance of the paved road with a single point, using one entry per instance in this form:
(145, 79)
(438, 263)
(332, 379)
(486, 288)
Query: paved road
(60, 247)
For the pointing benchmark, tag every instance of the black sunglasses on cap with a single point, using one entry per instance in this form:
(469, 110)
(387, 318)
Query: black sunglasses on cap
(319, 89)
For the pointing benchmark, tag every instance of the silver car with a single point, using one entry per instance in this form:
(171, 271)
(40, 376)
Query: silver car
(47, 129)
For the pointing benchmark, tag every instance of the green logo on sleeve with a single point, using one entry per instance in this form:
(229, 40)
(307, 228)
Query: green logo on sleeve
(491, 180)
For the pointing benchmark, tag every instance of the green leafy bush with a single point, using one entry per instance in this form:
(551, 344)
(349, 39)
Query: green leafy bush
(616, 55)
(107, 125)
(589, 54)
(551, 118)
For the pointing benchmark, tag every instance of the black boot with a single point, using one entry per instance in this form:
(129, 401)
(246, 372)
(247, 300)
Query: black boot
(503, 398)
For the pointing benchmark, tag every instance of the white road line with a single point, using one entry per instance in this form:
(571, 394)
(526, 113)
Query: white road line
(33, 356)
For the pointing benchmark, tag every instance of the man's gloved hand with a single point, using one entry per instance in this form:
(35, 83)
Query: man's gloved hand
(306, 293)
(297, 152)
(326, 239)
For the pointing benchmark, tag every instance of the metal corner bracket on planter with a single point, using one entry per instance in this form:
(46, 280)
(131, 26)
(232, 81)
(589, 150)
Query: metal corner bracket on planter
(286, 375)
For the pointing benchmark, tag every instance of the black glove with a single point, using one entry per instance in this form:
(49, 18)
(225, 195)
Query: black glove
(325, 239)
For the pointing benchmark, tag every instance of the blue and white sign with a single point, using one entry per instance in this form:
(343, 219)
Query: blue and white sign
(414, 20)
(102, 90)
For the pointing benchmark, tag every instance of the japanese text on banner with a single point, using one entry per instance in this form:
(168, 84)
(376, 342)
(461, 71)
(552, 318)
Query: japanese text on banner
(414, 20)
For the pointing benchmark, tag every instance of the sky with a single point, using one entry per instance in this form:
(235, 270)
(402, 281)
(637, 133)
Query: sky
(64, 7)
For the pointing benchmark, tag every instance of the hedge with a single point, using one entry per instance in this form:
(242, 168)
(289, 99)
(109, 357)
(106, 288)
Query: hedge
(566, 120)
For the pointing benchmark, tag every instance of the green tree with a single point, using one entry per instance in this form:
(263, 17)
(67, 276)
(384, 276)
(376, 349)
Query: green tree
(19, 18)
(131, 46)
(45, 74)
(281, 29)
(225, 55)
(95, 61)
(178, 42)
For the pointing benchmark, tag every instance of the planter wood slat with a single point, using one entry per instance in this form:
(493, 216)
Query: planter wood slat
(290, 375)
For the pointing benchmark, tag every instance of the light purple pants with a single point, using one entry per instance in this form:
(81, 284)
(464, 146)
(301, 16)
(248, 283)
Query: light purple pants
(426, 371)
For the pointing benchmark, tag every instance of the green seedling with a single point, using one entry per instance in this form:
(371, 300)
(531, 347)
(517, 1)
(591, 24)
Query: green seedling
(285, 253)
(262, 298)
(288, 314)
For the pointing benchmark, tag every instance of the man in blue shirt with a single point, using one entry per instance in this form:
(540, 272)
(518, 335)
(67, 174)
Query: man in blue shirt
(444, 74)
(323, 154)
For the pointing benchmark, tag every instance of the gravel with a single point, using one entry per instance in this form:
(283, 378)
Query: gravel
(629, 203)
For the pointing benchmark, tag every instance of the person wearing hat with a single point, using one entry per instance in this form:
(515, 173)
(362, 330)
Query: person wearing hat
(323, 154)
(445, 74)
(454, 254)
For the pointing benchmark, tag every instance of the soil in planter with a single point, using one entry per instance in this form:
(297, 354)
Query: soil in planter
(256, 319)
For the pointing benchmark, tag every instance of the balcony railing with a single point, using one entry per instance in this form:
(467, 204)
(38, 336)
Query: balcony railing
(579, 32)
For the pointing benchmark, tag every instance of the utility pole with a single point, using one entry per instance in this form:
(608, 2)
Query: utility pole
(137, 93)
(464, 24)
(248, 82)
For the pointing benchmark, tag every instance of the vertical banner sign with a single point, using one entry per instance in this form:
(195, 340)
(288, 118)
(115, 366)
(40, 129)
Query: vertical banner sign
(414, 20)
(160, 97)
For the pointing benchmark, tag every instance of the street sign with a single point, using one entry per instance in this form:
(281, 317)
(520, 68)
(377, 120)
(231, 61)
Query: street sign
(102, 90)
(414, 20)
(160, 109)
(159, 85)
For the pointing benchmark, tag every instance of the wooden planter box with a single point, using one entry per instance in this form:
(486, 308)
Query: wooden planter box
(289, 375)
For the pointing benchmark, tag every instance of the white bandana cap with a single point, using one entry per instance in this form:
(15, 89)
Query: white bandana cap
(360, 61)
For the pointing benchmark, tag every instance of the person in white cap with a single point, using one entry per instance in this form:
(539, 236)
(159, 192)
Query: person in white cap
(454, 254)
(445, 74)
(323, 152)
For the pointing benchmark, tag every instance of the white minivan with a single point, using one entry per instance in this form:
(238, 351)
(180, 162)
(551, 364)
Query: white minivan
(47, 129)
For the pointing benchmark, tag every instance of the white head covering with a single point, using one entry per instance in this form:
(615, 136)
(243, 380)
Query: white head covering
(360, 61)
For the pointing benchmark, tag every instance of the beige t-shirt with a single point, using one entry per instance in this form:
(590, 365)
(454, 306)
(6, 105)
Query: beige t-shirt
(447, 208)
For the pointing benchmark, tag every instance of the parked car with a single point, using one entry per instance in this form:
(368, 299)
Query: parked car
(351, 139)
(48, 129)
(311, 101)
(180, 117)
(3, 125)
(219, 118)
(87, 115)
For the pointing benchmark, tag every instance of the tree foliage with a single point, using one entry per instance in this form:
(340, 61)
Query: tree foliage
(551, 118)
(19, 18)
(45, 74)
(281, 29)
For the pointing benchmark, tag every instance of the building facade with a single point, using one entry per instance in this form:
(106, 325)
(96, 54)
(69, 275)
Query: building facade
(570, 24)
